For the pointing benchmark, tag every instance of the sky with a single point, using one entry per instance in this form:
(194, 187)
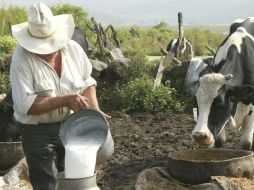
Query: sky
(151, 12)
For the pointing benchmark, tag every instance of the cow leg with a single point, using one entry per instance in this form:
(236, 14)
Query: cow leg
(248, 130)
(220, 139)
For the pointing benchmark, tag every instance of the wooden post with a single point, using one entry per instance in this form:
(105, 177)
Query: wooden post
(103, 36)
(180, 33)
(163, 63)
(169, 56)
(97, 29)
(114, 36)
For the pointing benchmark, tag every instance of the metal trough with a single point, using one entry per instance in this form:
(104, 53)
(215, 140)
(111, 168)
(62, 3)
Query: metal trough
(11, 153)
(197, 166)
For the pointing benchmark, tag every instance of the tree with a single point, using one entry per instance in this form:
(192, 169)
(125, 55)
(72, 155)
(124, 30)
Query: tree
(79, 14)
(161, 26)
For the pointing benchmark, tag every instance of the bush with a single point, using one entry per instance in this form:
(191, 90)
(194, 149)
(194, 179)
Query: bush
(139, 95)
(7, 46)
(4, 83)
(137, 68)
(108, 95)
(199, 39)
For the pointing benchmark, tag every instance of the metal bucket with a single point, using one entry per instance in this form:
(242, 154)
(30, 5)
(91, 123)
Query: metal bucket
(83, 122)
(88, 183)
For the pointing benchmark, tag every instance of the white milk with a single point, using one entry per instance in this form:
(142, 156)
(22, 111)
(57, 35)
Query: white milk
(80, 154)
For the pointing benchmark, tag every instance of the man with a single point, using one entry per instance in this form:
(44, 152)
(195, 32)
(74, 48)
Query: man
(50, 78)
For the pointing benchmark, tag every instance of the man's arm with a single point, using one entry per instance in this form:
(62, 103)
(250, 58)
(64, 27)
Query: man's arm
(90, 94)
(43, 104)
(75, 102)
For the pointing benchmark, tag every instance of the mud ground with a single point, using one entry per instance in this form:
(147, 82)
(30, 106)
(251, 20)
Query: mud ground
(145, 141)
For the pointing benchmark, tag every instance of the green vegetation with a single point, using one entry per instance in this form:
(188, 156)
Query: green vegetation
(133, 90)
(9, 16)
(4, 83)
(200, 38)
(139, 95)
(79, 14)
(7, 46)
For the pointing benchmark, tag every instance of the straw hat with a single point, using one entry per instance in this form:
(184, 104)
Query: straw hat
(44, 33)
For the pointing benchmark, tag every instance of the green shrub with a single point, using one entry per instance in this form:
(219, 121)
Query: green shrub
(199, 39)
(139, 95)
(4, 83)
(137, 68)
(108, 95)
(79, 14)
(7, 46)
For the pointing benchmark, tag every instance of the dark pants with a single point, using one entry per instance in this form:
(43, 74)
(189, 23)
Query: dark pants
(44, 153)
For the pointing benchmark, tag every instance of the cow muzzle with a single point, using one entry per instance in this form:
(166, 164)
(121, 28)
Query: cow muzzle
(203, 139)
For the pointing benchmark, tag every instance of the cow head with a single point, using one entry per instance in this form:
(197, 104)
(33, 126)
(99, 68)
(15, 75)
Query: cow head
(215, 98)
(214, 108)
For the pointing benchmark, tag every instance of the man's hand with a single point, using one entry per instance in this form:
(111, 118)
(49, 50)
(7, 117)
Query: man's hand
(76, 102)
(90, 93)
(104, 114)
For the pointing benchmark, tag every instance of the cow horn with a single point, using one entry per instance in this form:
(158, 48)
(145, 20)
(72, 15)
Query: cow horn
(228, 77)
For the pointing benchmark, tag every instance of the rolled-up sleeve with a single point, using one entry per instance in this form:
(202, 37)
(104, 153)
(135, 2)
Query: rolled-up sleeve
(22, 84)
(90, 81)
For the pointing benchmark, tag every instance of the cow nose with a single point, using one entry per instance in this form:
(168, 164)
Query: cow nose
(203, 139)
(199, 136)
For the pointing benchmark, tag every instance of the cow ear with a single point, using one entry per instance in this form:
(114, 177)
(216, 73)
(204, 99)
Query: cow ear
(241, 93)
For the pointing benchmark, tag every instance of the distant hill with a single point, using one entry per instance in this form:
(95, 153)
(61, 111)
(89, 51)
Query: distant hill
(150, 12)
(106, 19)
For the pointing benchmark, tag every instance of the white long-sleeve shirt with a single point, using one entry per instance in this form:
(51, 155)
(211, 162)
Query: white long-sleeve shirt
(31, 76)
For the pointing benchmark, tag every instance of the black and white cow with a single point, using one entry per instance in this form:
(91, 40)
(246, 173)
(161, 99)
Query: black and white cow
(186, 46)
(228, 80)
(172, 45)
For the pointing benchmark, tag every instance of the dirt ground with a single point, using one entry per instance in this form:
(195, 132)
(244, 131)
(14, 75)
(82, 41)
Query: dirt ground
(145, 141)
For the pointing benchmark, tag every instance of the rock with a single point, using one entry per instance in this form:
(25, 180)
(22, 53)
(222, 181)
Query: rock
(135, 136)
(153, 179)
(157, 178)
(16, 178)
(167, 134)
(135, 128)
